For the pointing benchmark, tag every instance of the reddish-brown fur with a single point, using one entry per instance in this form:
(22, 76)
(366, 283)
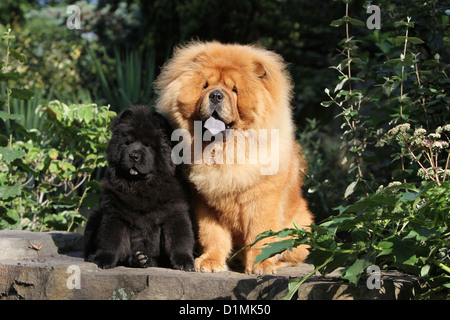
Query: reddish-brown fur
(235, 202)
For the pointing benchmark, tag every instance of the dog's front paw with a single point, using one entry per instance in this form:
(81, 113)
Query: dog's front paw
(104, 260)
(264, 267)
(183, 262)
(207, 264)
(140, 260)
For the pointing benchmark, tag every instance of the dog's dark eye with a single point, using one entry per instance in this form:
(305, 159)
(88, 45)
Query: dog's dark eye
(148, 145)
(127, 142)
(206, 85)
(235, 90)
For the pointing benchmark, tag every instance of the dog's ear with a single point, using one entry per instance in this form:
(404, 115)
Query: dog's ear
(162, 123)
(127, 113)
(259, 70)
(165, 131)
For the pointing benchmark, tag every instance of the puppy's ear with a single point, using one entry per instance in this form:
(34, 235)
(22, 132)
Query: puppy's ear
(259, 70)
(127, 113)
(164, 129)
(162, 123)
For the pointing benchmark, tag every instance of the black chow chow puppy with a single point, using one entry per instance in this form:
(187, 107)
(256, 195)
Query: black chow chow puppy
(144, 212)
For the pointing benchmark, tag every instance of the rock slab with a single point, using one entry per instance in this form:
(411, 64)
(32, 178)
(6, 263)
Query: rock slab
(58, 271)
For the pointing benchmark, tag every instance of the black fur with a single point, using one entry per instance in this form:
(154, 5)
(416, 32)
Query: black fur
(144, 212)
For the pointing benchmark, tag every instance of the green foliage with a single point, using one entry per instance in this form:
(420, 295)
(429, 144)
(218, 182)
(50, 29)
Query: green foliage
(127, 81)
(326, 176)
(401, 226)
(392, 103)
(296, 29)
(56, 65)
(13, 12)
(46, 174)
(116, 24)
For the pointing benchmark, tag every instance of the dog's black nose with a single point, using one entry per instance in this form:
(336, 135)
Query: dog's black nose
(134, 156)
(216, 96)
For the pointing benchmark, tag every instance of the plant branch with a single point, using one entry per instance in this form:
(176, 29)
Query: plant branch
(403, 69)
(299, 281)
(8, 92)
(405, 143)
(446, 167)
(348, 50)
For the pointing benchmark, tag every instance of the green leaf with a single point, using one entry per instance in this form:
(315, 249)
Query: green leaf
(91, 200)
(274, 248)
(337, 23)
(325, 241)
(350, 189)
(259, 237)
(11, 219)
(6, 116)
(354, 272)
(338, 260)
(356, 22)
(424, 270)
(326, 104)
(9, 76)
(340, 85)
(10, 155)
(385, 247)
(415, 40)
(404, 23)
(7, 192)
(395, 60)
(7, 36)
(402, 250)
(22, 94)
(421, 234)
(85, 113)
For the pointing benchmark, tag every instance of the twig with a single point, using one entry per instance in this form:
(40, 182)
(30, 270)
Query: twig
(423, 99)
(78, 184)
(403, 69)
(348, 51)
(417, 160)
(36, 247)
(446, 167)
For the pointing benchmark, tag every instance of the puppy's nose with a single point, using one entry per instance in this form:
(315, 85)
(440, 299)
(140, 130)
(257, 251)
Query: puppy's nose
(216, 96)
(134, 156)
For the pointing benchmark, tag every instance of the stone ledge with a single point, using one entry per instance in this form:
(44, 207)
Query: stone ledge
(48, 276)
(17, 244)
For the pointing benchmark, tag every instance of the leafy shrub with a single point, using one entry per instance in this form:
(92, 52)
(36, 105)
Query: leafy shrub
(402, 226)
(46, 174)
(393, 109)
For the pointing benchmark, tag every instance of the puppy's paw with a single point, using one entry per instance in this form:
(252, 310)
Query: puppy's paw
(104, 260)
(206, 264)
(183, 262)
(140, 260)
